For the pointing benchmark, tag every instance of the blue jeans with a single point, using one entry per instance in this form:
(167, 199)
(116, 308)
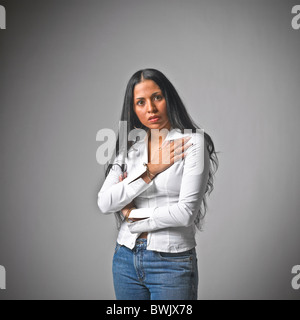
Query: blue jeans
(141, 274)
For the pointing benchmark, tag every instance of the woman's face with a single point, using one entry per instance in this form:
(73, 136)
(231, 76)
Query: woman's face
(149, 102)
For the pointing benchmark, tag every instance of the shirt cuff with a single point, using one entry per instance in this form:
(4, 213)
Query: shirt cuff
(139, 170)
(146, 225)
(141, 213)
(137, 187)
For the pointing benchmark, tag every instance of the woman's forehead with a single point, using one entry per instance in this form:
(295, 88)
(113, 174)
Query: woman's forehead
(146, 87)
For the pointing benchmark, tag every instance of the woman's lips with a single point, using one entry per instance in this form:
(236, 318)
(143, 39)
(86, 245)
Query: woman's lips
(154, 119)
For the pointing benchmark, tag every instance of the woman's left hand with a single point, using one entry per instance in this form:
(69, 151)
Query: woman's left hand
(122, 177)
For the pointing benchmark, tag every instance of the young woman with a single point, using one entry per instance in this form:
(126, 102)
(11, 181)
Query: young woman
(157, 191)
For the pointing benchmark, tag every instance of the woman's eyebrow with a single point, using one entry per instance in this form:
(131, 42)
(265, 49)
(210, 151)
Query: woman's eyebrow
(151, 95)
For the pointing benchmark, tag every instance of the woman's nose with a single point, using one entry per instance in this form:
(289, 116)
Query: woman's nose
(150, 106)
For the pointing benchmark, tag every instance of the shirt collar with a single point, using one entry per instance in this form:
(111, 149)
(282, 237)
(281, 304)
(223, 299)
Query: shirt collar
(169, 136)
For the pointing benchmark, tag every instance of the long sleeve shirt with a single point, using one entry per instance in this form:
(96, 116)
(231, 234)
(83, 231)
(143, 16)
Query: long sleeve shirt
(169, 204)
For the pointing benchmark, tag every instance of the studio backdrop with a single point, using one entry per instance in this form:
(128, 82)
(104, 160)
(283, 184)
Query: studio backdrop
(64, 66)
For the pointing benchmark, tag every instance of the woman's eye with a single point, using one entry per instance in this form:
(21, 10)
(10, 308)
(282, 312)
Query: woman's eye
(140, 102)
(158, 97)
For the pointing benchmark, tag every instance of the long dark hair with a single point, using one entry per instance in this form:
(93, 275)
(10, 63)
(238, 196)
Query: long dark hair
(178, 118)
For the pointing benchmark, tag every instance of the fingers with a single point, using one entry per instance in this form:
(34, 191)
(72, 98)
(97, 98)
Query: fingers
(175, 143)
(122, 177)
(179, 157)
(183, 148)
(180, 150)
(174, 149)
(181, 142)
(181, 145)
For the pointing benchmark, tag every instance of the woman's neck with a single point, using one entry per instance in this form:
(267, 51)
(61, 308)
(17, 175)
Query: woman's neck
(157, 134)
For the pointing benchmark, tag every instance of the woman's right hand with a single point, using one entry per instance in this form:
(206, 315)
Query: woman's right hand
(170, 152)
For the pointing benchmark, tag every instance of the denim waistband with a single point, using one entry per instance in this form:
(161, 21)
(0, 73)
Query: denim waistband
(141, 243)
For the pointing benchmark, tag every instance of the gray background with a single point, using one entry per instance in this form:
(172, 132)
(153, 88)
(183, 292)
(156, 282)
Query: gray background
(64, 68)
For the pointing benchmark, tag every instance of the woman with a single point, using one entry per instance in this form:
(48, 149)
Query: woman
(157, 191)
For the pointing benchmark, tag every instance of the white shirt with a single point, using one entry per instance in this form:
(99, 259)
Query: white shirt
(170, 202)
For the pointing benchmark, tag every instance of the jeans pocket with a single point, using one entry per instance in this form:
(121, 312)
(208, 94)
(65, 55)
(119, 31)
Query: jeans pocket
(177, 256)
